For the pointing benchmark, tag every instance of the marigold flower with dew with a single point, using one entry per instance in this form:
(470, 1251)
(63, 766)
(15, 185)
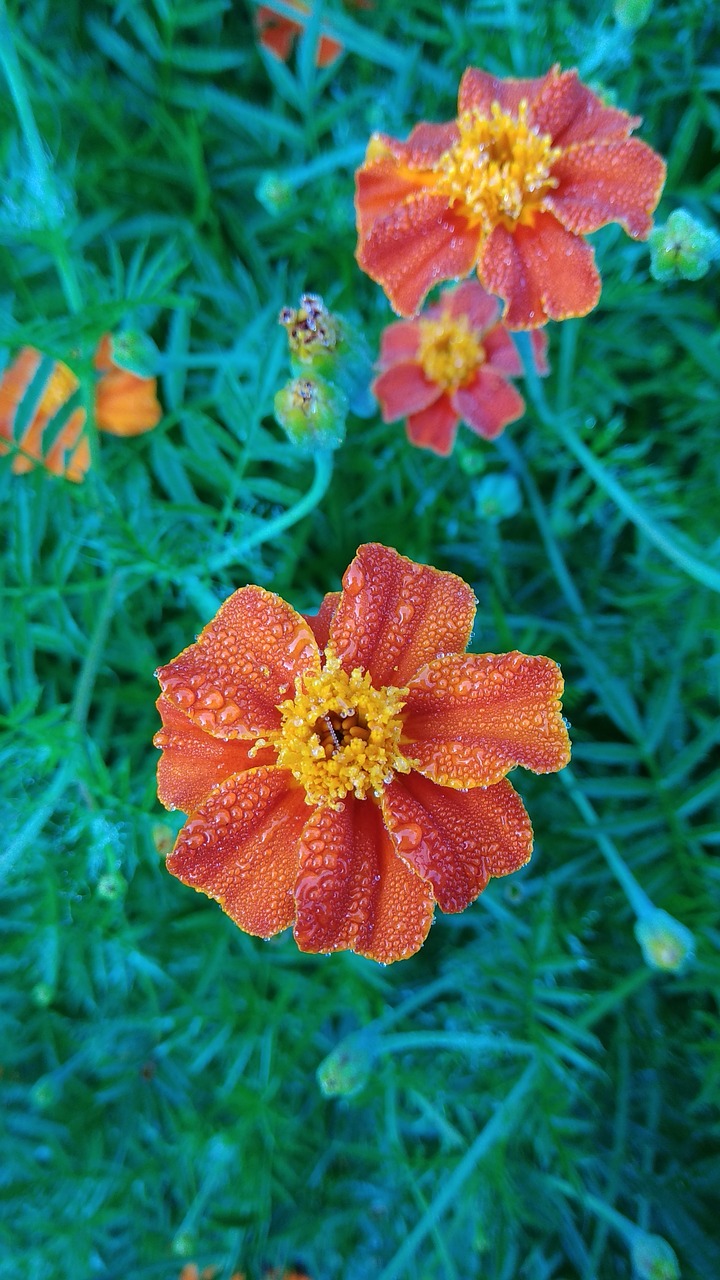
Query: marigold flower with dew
(344, 773)
(450, 364)
(509, 188)
(38, 414)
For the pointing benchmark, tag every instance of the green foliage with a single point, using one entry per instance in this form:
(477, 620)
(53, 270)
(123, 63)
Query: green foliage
(530, 1075)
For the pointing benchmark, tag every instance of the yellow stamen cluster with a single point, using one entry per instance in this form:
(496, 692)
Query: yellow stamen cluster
(59, 387)
(499, 170)
(449, 351)
(340, 735)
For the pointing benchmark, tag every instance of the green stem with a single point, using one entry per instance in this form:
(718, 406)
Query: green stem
(273, 528)
(636, 896)
(88, 674)
(494, 1131)
(662, 538)
(462, 1042)
(35, 824)
(623, 1225)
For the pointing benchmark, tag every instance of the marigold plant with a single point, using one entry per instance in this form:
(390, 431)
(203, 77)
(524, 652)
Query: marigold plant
(509, 188)
(452, 363)
(372, 716)
(53, 436)
(277, 34)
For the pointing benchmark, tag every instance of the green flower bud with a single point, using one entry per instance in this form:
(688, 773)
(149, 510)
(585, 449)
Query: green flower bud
(632, 13)
(497, 496)
(666, 944)
(313, 413)
(134, 351)
(111, 886)
(653, 1259)
(42, 994)
(274, 193)
(183, 1245)
(44, 1093)
(682, 249)
(346, 1070)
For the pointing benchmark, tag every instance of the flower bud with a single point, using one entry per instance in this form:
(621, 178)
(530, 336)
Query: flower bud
(42, 994)
(111, 886)
(313, 413)
(312, 332)
(632, 13)
(135, 352)
(345, 1071)
(653, 1259)
(274, 193)
(497, 496)
(666, 944)
(163, 837)
(682, 249)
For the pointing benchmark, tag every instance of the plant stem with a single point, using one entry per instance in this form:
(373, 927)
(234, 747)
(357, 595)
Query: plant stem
(636, 896)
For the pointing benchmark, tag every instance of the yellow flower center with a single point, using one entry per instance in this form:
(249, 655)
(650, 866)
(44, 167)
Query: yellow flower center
(59, 387)
(499, 170)
(449, 352)
(340, 735)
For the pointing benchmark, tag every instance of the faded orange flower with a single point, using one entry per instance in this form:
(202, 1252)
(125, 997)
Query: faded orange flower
(510, 188)
(36, 415)
(344, 773)
(277, 34)
(453, 362)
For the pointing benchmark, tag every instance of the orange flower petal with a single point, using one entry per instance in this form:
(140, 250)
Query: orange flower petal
(243, 665)
(478, 90)
(427, 143)
(541, 271)
(328, 51)
(319, 623)
(383, 182)
(608, 182)
(404, 389)
(470, 299)
(241, 848)
(570, 112)
(126, 405)
(501, 352)
(456, 840)
(276, 33)
(488, 403)
(470, 718)
(414, 246)
(69, 453)
(192, 762)
(395, 615)
(435, 428)
(399, 342)
(353, 891)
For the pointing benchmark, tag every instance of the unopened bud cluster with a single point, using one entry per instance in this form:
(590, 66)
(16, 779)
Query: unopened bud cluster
(683, 248)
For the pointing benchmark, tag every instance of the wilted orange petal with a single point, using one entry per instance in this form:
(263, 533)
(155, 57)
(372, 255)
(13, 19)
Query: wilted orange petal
(402, 390)
(608, 182)
(456, 839)
(319, 622)
(192, 762)
(478, 90)
(243, 665)
(488, 403)
(396, 615)
(435, 428)
(126, 405)
(501, 352)
(241, 848)
(470, 718)
(383, 182)
(542, 271)
(399, 342)
(570, 112)
(353, 891)
(414, 246)
(470, 299)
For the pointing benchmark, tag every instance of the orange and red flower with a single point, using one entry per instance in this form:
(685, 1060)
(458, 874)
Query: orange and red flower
(277, 34)
(510, 188)
(344, 773)
(453, 362)
(54, 435)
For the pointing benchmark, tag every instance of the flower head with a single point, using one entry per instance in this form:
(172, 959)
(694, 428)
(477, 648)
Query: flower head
(277, 34)
(454, 362)
(344, 773)
(510, 188)
(40, 416)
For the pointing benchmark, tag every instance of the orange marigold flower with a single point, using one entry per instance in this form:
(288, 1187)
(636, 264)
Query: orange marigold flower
(276, 33)
(125, 405)
(510, 188)
(372, 717)
(452, 363)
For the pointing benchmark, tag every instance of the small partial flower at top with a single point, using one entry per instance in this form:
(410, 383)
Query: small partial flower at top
(682, 249)
(277, 34)
(453, 363)
(509, 188)
(345, 773)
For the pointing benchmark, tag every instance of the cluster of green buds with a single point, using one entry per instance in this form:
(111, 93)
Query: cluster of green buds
(683, 248)
(331, 369)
